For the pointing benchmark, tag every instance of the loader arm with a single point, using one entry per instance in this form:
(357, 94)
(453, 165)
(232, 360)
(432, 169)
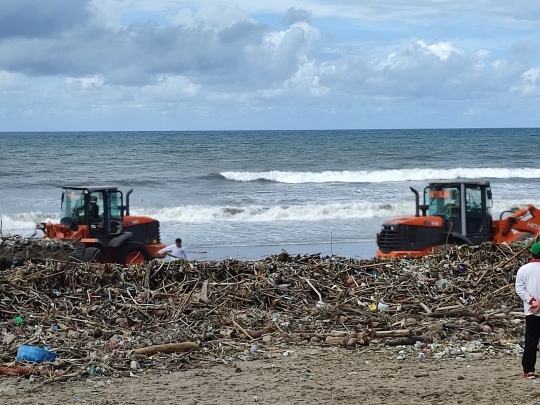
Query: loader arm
(525, 220)
(53, 231)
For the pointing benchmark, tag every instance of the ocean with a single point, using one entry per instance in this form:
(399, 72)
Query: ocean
(249, 194)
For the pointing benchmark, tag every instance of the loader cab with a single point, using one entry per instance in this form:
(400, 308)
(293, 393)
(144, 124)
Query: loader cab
(465, 206)
(99, 208)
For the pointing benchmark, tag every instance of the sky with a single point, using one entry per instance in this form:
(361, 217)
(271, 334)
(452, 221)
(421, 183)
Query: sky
(169, 65)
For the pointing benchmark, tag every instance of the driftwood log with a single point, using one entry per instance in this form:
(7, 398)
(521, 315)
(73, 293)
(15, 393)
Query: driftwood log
(183, 347)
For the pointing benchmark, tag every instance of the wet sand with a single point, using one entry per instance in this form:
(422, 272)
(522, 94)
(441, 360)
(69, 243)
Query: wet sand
(355, 250)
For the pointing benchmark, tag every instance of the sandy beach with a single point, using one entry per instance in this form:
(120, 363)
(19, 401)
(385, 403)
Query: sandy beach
(246, 332)
(309, 374)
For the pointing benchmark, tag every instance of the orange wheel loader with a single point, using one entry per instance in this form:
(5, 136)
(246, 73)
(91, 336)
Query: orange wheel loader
(454, 212)
(98, 218)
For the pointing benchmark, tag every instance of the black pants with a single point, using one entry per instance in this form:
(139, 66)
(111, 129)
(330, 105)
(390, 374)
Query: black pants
(532, 334)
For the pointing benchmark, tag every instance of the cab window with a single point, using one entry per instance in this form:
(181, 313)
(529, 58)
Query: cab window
(443, 201)
(115, 203)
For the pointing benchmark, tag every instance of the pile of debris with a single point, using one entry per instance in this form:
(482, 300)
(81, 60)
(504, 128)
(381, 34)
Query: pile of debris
(109, 319)
(20, 248)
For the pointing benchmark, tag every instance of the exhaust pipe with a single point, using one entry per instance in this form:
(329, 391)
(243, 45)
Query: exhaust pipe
(127, 202)
(417, 202)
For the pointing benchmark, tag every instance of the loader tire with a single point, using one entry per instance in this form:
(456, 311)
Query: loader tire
(4, 264)
(131, 253)
(93, 255)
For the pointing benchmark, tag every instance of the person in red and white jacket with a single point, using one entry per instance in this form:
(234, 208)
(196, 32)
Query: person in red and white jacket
(528, 288)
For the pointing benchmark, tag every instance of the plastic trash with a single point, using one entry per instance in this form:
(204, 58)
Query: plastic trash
(442, 284)
(439, 355)
(35, 354)
(18, 320)
(382, 306)
(320, 304)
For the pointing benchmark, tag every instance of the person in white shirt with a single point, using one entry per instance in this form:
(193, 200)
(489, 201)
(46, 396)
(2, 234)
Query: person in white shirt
(528, 288)
(177, 250)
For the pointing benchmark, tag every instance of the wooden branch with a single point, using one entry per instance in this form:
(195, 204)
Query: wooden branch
(314, 289)
(241, 328)
(393, 333)
(502, 263)
(450, 314)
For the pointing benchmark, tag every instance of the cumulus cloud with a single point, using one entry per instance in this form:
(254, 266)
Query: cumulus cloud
(206, 56)
(294, 15)
(441, 49)
(85, 83)
(172, 88)
(10, 81)
(530, 83)
(210, 17)
(37, 18)
(532, 76)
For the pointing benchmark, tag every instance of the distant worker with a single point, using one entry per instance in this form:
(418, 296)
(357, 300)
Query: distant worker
(528, 289)
(93, 212)
(78, 216)
(177, 250)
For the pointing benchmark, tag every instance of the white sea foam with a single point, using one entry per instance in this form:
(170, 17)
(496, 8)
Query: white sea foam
(254, 213)
(257, 213)
(24, 224)
(382, 176)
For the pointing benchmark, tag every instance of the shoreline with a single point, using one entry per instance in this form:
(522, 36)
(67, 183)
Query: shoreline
(354, 250)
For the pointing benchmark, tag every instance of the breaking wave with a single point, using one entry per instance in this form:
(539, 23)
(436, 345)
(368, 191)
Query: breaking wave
(257, 213)
(337, 211)
(25, 223)
(382, 176)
